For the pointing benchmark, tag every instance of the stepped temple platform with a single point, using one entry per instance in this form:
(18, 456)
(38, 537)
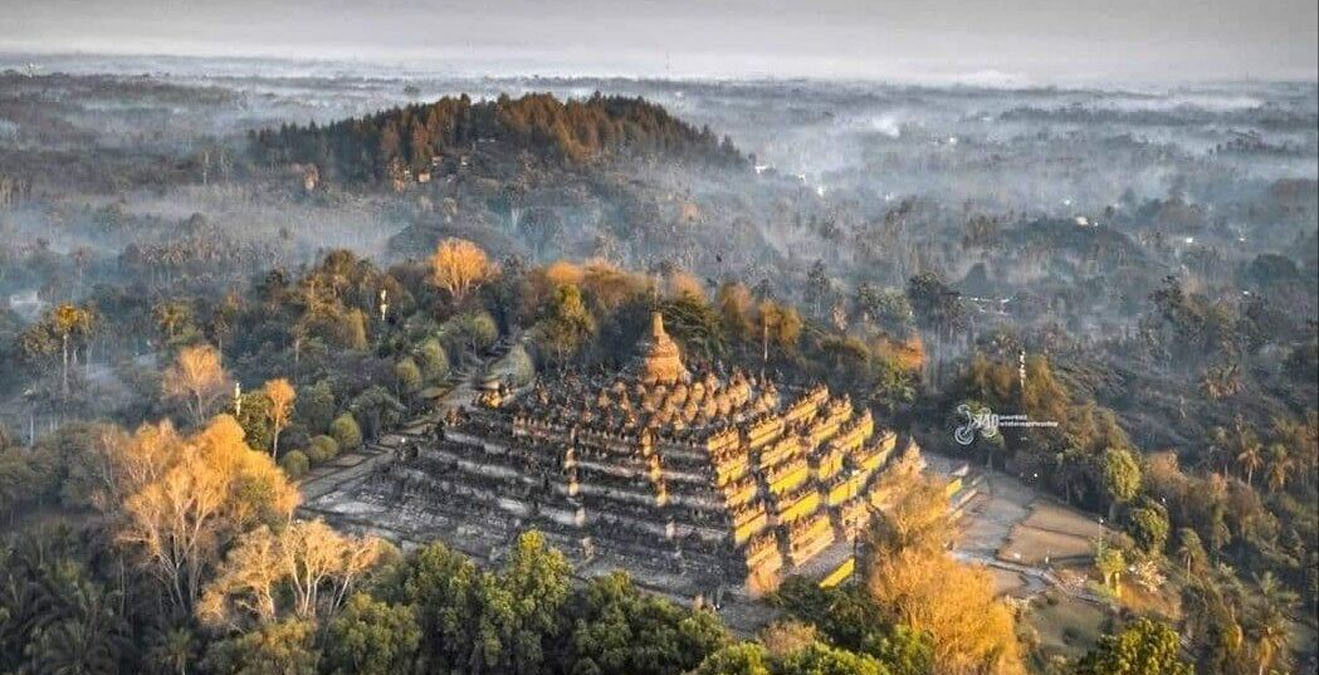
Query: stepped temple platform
(692, 481)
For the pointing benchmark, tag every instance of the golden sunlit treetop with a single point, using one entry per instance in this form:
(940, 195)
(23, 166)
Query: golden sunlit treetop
(458, 266)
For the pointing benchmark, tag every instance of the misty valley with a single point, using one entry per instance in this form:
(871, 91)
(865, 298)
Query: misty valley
(333, 367)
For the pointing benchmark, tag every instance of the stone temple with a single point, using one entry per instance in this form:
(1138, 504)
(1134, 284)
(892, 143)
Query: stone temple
(690, 480)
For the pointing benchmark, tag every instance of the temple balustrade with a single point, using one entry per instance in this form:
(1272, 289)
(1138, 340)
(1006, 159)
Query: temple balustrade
(786, 448)
(484, 464)
(762, 553)
(825, 426)
(853, 433)
(703, 499)
(616, 521)
(748, 521)
(875, 455)
(609, 503)
(806, 406)
(698, 515)
(640, 541)
(597, 467)
(828, 464)
(731, 469)
(808, 537)
(803, 501)
(843, 488)
(686, 463)
(640, 494)
(740, 491)
(764, 431)
(722, 440)
(787, 476)
(675, 475)
(687, 530)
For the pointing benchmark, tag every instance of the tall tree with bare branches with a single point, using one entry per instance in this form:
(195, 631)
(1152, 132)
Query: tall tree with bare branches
(458, 266)
(281, 395)
(198, 379)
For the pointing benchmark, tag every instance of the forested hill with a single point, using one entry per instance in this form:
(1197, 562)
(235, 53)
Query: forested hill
(416, 138)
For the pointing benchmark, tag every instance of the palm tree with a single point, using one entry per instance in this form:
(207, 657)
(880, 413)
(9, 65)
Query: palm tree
(1218, 453)
(69, 321)
(174, 649)
(170, 316)
(1279, 467)
(1247, 449)
(1269, 622)
(1190, 550)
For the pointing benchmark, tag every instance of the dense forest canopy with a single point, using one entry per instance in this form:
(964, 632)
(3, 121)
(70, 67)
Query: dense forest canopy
(417, 137)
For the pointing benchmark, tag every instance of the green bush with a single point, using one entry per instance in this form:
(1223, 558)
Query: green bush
(315, 405)
(434, 362)
(345, 431)
(408, 375)
(295, 464)
(322, 449)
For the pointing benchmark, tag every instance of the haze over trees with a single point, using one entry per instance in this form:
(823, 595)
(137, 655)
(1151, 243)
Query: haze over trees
(1152, 255)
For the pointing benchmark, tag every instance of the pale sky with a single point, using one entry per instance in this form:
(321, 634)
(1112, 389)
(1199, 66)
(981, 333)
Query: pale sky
(1035, 40)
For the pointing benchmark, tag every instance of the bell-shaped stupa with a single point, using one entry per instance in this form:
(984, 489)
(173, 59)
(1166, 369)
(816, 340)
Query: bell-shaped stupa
(659, 361)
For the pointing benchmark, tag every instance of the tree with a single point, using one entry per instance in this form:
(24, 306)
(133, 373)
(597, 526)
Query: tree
(81, 630)
(953, 603)
(372, 637)
(407, 375)
(743, 658)
(1189, 550)
(315, 406)
(1145, 647)
(68, 321)
(1246, 449)
(736, 307)
(538, 579)
(197, 378)
(915, 583)
(821, 659)
(622, 629)
(252, 411)
(174, 649)
(458, 266)
(1110, 563)
(281, 395)
(172, 317)
(819, 287)
(305, 566)
(1120, 473)
(937, 308)
(785, 637)
(345, 432)
(443, 586)
(279, 648)
(917, 516)
(322, 449)
(779, 324)
(477, 330)
(1278, 467)
(187, 498)
(295, 464)
(1148, 525)
(432, 358)
(569, 324)
(1268, 625)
